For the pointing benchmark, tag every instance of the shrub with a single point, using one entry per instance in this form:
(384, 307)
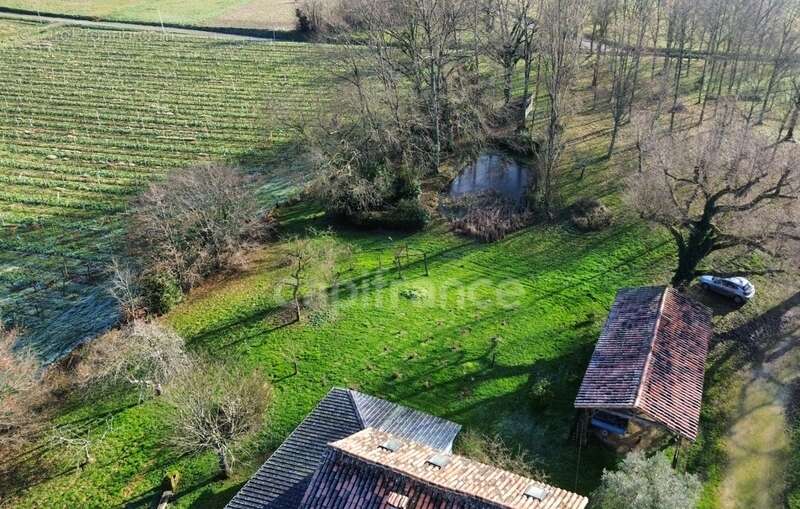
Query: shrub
(20, 392)
(408, 214)
(161, 292)
(145, 355)
(590, 215)
(412, 294)
(304, 25)
(646, 483)
(541, 393)
(315, 16)
(489, 220)
(492, 450)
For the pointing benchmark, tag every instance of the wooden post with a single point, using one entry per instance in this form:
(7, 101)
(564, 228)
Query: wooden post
(425, 260)
(677, 452)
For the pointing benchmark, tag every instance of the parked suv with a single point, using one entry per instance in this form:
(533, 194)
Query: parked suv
(737, 288)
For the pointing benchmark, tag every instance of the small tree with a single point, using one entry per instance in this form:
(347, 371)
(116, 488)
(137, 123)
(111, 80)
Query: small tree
(143, 354)
(795, 111)
(125, 288)
(195, 222)
(723, 188)
(215, 407)
(312, 264)
(76, 442)
(646, 483)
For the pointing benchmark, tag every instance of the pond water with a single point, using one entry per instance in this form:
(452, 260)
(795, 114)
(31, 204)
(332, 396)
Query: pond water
(495, 172)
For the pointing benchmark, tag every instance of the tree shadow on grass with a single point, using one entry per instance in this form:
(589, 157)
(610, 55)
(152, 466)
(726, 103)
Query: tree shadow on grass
(751, 342)
(540, 427)
(210, 498)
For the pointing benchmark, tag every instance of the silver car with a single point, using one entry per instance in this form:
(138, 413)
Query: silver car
(737, 288)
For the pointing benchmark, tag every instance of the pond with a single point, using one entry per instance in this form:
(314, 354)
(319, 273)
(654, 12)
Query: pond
(493, 172)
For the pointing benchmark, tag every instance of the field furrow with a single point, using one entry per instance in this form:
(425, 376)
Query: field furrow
(89, 117)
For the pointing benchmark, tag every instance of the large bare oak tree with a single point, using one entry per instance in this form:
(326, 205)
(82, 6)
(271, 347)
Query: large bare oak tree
(724, 188)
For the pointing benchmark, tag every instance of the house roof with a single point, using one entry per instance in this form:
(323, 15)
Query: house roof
(359, 473)
(651, 358)
(282, 480)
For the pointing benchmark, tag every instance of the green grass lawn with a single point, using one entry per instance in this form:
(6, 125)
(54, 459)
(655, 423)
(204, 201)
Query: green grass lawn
(543, 293)
(278, 14)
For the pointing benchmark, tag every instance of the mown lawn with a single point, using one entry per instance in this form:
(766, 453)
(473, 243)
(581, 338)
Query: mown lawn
(540, 296)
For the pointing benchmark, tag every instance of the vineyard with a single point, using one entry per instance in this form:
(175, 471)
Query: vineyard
(87, 118)
(258, 14)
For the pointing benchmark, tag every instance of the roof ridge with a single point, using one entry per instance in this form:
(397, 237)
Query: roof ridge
(357, 411)
(457, 489)
(648, 360)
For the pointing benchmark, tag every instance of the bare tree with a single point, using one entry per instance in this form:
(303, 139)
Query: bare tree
(786, 54)
(720, 189)
(509, 28)
(559, 43)
(628, 30)
(195, 222)
(124, 287)
(601, 12)
(216, 407)
(794, 111)
(681, 16)
(143, 354)
(76, 441)
(312, 264)
(19, 389)
(492, 450)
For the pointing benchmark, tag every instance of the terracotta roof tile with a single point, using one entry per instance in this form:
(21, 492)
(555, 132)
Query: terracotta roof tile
(651, 358)
(359, 474)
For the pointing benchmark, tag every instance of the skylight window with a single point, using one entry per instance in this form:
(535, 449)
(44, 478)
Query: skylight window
(396, 500)
(439, 460)
(391, 445)
(535, 492)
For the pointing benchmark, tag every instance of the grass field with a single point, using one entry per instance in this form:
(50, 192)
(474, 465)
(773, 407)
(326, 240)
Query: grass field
(91, 116)
(277, 14)
(88, 117)
(540, 296)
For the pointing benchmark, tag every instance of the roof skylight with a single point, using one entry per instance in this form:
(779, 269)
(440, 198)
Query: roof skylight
(439, 460)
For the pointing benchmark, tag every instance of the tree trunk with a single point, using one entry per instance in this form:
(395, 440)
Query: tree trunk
(614, 132)
(793, 121)
(296, 300)
(535, 97)
(677, 89)
(224, 464)
(508, 76)
(692, 250)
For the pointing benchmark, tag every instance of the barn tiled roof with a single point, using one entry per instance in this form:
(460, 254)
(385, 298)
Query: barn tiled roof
(651, 358)
(282, 480)
(358, 473)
